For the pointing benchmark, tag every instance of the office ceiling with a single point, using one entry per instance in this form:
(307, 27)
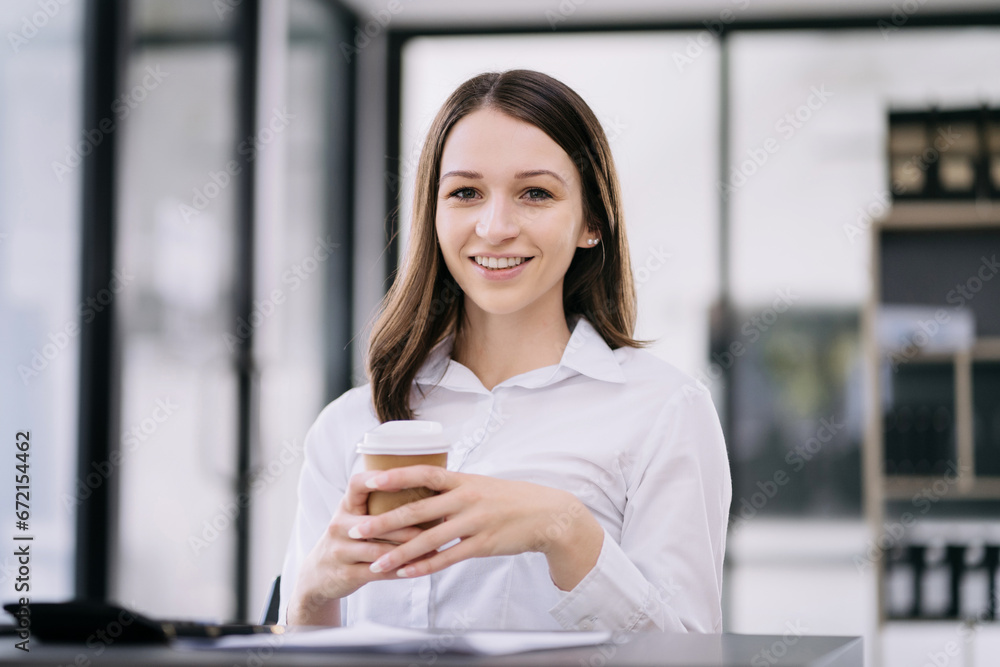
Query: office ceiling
(468, 13)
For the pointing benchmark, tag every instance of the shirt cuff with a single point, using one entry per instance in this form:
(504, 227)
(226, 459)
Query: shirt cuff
(613, 596)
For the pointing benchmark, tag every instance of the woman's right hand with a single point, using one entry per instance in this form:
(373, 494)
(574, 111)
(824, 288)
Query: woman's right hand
(339, 565)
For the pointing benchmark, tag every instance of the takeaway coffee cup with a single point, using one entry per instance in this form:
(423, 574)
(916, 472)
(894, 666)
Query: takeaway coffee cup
(395, 444)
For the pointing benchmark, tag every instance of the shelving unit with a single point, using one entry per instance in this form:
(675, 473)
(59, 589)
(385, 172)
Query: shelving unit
(908, 227)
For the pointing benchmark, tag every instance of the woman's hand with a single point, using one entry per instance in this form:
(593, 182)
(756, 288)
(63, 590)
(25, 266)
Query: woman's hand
(338, 565)
(493, 517)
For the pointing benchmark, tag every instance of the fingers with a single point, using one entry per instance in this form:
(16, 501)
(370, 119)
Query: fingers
(409, 477)
(434, 561)
(424, 545)
(363, 551)
(361, 573)
(402, 535)
(336, 567)
(392, 539)
(355, 499)
(405, 516)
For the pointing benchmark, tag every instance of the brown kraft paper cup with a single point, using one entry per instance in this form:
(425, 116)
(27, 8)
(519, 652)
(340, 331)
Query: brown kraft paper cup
(380, 502)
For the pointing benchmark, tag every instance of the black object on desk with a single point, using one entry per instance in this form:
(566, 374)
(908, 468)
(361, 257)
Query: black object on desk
(80, 621)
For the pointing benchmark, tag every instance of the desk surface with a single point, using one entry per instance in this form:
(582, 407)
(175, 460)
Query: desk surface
(673, 650)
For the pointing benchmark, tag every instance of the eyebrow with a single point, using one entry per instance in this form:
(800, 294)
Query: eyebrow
(521, 175)
(539, 172)
(474, 175)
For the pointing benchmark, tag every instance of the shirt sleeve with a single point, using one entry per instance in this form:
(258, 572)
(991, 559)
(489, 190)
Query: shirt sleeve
(666, 571)
(316, 492)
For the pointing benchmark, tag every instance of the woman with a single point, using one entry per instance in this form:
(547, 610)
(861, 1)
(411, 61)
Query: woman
(588, 486)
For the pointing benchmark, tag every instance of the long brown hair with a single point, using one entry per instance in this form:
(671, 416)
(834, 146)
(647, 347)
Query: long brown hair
(425, 304)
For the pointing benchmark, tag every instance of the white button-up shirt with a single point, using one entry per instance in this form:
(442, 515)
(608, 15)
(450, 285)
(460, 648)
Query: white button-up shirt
(631, 436)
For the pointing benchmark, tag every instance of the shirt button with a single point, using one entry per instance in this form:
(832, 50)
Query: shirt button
(587, 624)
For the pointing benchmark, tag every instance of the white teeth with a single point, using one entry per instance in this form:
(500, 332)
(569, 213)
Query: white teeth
(498, 263)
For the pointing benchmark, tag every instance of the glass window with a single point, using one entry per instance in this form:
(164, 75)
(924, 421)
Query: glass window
(176, 242)
(42, 145)
(303, 260)
(177, 239)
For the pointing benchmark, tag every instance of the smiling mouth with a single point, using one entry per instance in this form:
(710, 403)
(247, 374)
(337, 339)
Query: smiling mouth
(498, 263)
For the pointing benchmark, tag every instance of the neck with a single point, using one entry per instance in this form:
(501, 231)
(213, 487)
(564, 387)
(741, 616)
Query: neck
(498, 347)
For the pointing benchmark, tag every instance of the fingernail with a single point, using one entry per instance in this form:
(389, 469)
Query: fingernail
(374, 482)
(355, 532)
(377, 566)
(404, 572)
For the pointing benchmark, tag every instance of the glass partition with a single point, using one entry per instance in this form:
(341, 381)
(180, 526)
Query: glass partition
(42, 146)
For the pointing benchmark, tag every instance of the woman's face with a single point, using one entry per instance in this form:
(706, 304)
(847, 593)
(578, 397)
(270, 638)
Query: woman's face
(508, 195)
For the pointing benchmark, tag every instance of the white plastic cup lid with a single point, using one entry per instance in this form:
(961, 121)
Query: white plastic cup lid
(404, 438)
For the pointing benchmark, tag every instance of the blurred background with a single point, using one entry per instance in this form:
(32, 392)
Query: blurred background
(202, 202)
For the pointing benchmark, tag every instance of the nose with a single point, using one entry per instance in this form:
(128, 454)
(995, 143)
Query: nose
(497, 222)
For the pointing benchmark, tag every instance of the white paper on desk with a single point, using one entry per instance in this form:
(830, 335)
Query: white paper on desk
(374, 637)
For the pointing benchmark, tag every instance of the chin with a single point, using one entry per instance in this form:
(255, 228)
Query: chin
(499, 308)
(497, 303)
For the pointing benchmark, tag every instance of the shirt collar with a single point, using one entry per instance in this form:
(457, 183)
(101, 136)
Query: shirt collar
(586, 353)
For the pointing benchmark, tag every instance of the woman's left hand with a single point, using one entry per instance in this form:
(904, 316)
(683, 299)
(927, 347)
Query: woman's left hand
(493, 517)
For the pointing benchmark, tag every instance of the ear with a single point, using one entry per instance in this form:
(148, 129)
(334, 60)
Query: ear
(587, 238)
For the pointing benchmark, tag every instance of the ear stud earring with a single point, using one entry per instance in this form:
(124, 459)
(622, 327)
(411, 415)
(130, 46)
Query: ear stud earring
(593, 241)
